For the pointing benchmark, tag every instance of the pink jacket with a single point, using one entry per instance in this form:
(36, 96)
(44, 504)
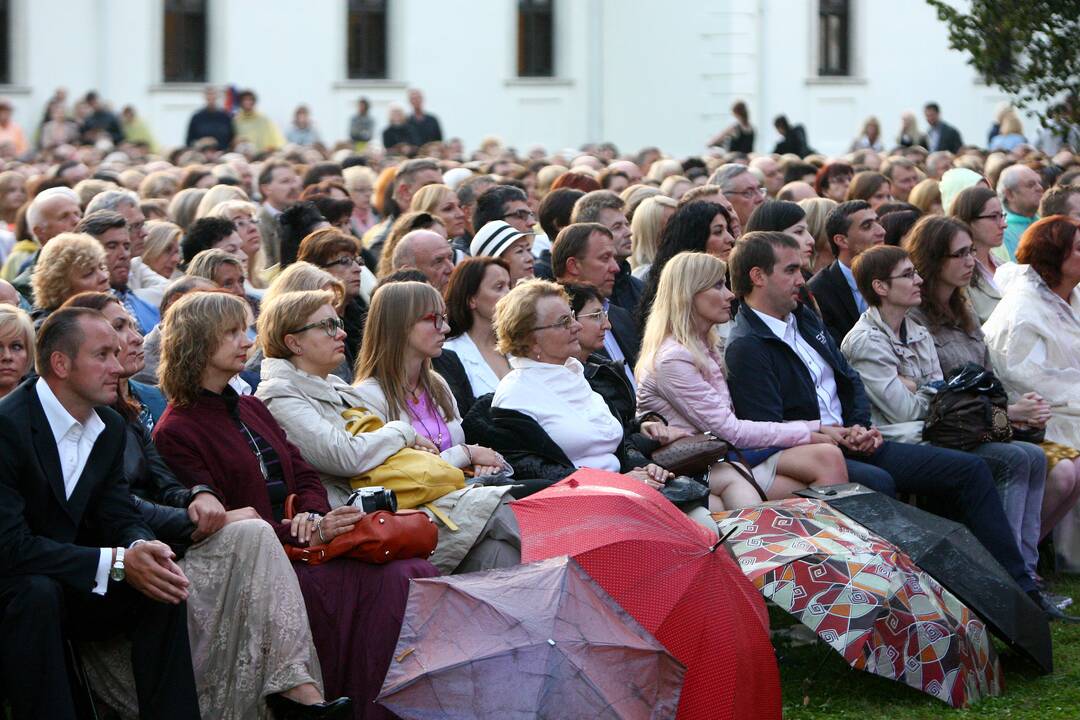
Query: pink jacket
(699, 402)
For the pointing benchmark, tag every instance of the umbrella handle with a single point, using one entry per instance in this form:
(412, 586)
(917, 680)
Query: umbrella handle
(724, 538)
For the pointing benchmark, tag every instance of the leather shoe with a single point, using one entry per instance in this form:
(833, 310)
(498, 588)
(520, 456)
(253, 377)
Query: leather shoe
(1053, 612)
(286, 709)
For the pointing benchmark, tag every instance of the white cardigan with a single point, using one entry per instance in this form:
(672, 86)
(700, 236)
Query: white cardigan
(482, 379)
(559, 399)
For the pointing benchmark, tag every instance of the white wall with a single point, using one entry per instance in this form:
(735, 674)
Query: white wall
(636, 72)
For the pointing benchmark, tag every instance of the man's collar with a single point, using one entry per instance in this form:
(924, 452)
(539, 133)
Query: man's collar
(60, 420)
(777, 326)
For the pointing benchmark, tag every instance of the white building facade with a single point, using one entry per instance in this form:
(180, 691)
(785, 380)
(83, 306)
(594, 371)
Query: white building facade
(633, 72)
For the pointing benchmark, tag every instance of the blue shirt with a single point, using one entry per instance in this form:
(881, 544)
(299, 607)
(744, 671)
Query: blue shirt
(859, 302)
(145, 314)
(1015, 225)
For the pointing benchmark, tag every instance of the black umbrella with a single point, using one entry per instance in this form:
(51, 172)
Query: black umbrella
(955, 558)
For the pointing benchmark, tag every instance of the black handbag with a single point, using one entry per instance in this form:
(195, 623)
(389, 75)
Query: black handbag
(970, 409)
(685, 493)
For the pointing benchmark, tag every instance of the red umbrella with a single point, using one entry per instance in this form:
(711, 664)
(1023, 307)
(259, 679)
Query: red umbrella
(670, 574)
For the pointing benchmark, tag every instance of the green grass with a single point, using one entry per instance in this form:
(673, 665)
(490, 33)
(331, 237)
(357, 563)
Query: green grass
(818, 684)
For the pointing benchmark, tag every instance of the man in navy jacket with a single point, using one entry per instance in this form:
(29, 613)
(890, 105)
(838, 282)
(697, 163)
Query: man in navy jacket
(783, 365)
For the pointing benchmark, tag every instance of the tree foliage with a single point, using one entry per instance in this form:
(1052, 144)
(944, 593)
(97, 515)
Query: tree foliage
(1028, 48)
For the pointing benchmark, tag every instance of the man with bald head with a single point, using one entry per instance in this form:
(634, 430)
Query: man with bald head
(52, 212)
(632, 171)
(427, 251)
(796, 191)
(9, 295)
(1020, 189)
(771, 176)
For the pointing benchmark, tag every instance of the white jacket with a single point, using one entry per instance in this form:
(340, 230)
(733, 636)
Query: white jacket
(1034, 341)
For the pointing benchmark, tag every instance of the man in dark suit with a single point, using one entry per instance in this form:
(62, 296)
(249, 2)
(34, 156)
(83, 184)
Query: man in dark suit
(782, 366)
(608, 209)
(851, 228)
(76, 559)
(584, 253)
(941, 135)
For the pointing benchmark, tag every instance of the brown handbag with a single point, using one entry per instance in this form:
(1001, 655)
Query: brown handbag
(691, 455)
(377, 538)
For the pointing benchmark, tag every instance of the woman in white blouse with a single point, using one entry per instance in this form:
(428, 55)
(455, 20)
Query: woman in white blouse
(476, 285)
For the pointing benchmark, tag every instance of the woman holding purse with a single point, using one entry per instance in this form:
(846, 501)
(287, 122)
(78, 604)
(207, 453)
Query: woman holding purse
(211, 436)
(303, 341)
(680, 375)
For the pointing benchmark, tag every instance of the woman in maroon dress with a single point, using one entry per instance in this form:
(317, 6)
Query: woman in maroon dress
(212, 436)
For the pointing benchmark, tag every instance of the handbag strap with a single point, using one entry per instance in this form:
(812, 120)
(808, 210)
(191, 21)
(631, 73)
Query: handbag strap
(744, 470)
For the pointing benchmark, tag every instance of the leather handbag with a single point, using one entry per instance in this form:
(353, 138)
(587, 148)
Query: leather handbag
(970, 409)
(378, 538)
(416, 477)
(691, 455)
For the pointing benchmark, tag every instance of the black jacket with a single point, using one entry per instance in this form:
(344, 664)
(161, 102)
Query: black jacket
(948, 138)
(537, 460)
(624, 328)
(449, 366)
(769, 382)
(834, 298)
(402, 134)
(608, 380)
(41, 531)
(627, 290)
(794, 142)
(211, 122)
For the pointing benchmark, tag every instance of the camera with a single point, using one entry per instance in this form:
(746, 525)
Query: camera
(373, 498)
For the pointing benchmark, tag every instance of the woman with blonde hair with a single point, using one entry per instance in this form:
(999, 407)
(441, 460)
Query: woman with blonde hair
(817, 210)
(442, 202)
(184, 205)
(650, 217)
(663, 169)
(927, 197)
(244, 215)
(217, 195)
(16, 347)
(360, 184)
(159, 184)
(69, 264)
(301, 391)
(161, 250)
(869, 136)
(211, 436)
(675, 186)
(680, 375)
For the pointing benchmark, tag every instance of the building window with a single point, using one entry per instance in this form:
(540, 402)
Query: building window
(536, 38)
(185, 41)
(5, 38)
(834, 38)
(367, 39)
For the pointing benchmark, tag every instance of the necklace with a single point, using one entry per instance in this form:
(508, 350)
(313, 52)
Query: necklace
(437, 438)
(258, 453)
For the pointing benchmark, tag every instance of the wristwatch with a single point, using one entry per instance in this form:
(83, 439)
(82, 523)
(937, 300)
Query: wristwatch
(117, 572)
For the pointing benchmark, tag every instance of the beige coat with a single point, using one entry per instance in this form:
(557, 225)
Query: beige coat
(881, 358)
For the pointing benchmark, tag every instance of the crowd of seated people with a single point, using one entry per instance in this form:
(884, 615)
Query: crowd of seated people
(187, 343)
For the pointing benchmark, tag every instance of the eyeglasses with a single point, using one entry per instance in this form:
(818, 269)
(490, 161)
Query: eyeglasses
(599, 316)
(909, 274)
(437, 319)
(748, 193)
(565, 322)
(346, 262)
(330, 326)
(961, 254)
(995, 216)
(522, 214)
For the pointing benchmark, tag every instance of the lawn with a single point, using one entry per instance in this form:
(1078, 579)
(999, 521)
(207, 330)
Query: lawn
(818, 684)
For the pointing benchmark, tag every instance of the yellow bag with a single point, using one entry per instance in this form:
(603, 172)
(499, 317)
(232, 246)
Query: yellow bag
(416, 477)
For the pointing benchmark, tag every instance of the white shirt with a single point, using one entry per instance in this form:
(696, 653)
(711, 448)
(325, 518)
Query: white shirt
(559, 399)
(74, 442)
(832, 413)
(482, 379)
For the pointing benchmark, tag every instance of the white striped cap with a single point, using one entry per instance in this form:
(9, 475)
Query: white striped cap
(494, 238)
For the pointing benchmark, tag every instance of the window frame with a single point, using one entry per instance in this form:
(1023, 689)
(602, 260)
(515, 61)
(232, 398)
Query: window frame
(185, 71)
(840, 13)
(360, 65)
(533, 60)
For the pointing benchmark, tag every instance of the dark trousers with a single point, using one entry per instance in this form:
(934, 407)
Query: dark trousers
(960, 479)
(37, 613)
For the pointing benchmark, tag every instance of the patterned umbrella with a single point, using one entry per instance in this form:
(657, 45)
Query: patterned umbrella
(865, 598)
